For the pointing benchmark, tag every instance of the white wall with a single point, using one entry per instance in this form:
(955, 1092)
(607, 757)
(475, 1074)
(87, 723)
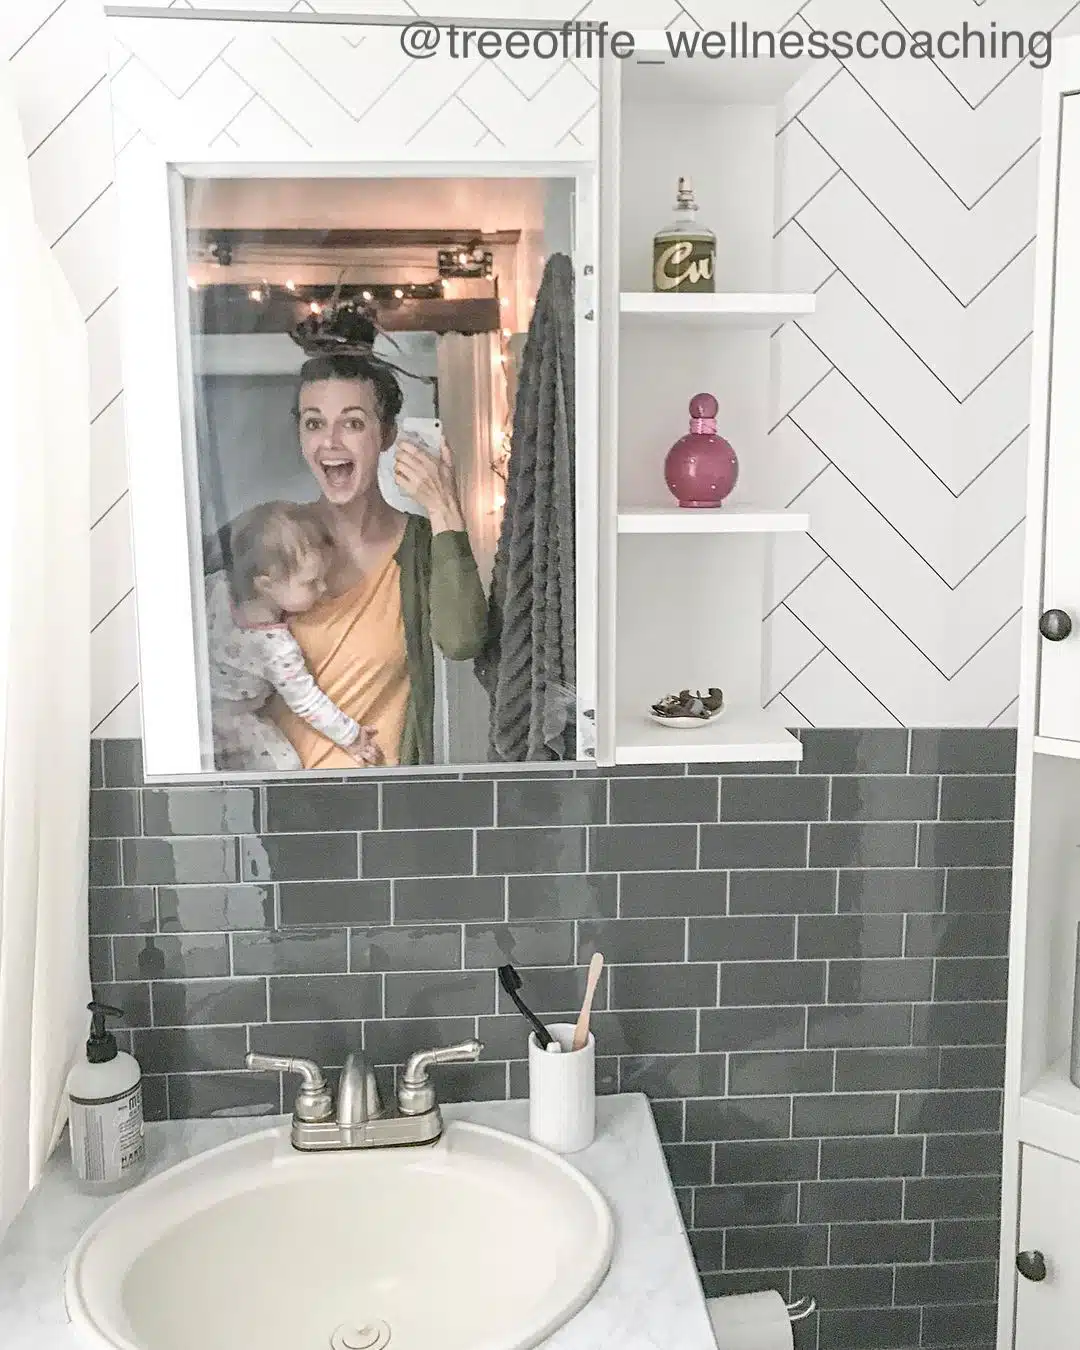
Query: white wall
(906, 199)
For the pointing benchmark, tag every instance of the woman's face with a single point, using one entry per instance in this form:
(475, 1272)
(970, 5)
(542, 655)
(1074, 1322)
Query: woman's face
(341, 437)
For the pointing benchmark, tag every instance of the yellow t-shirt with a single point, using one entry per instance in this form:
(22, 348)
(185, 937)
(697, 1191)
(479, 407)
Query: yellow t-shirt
(354, 646)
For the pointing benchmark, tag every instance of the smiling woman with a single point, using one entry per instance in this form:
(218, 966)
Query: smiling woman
(395, 581)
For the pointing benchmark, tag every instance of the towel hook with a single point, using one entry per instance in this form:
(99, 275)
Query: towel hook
(802, 1307)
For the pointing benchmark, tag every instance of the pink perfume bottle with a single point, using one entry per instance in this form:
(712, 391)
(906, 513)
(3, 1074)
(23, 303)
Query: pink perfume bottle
(701, 468)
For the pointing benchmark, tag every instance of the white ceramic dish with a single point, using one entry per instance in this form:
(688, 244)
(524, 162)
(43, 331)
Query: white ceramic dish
(686, 723)
(481, 1241)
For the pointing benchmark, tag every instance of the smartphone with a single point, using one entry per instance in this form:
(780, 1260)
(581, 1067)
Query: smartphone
(428, 432)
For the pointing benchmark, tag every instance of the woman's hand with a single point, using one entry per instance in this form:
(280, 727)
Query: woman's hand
(365, 749)
(430, 483)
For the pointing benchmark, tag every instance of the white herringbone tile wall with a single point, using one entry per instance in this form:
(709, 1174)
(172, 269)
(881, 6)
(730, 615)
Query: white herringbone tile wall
(907, 202)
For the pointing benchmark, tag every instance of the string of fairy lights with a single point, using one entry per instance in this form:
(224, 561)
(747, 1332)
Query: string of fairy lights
(262, 292)
(502, 427)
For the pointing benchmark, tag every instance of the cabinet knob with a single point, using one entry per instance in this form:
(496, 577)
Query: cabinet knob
(1055, 624)
(1032, 1265)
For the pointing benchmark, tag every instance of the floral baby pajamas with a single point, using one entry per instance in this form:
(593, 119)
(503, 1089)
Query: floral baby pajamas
(247, 665)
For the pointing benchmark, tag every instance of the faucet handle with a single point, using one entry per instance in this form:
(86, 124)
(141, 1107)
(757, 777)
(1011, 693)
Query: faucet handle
(313, 1100)
(416, 1093)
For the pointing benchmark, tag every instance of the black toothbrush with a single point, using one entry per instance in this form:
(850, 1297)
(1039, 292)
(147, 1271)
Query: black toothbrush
(511, 982)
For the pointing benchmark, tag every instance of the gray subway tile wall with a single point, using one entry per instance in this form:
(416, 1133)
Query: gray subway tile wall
(806, 974)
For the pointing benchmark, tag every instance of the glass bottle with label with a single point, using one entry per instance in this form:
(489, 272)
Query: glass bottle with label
(684, 252)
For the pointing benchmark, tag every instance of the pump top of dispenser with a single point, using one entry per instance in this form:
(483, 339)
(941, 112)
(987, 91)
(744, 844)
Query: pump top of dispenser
(101, 1045)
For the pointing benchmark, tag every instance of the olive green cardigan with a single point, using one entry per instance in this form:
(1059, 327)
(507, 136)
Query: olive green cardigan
(442, 602)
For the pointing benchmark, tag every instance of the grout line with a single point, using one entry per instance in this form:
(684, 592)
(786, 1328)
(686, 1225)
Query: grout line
(97, 521)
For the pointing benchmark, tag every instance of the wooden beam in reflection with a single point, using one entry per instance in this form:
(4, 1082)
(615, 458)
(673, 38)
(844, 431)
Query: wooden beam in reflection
(203, 238)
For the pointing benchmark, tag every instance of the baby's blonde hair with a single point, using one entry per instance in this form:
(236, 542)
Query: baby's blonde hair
(269, 541)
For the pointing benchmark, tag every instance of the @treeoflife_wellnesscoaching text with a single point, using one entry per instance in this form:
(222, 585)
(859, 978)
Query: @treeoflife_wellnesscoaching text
(578, 39)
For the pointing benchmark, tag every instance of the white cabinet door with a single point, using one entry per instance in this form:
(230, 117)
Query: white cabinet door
(1059, 677)
(1048, 1309)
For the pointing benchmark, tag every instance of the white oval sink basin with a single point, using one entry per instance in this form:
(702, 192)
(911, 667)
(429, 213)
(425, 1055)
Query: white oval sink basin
(481, 1241)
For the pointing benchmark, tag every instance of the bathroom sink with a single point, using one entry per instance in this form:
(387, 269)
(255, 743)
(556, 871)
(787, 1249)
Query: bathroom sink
(480, 1241)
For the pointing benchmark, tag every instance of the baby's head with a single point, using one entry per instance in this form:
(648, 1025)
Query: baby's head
(279, 552)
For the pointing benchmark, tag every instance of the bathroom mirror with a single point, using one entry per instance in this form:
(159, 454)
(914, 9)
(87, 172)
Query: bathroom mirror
(361, 435)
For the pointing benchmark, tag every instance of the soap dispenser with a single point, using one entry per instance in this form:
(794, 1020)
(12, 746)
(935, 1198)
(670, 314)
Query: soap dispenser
(108, 1150)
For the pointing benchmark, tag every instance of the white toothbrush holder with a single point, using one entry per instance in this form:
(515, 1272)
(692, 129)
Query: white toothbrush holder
(562, 1091)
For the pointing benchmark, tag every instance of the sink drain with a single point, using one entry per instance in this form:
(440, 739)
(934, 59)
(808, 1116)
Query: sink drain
(363, 1336)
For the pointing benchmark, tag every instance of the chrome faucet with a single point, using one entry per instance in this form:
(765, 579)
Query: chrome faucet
(359, 1119)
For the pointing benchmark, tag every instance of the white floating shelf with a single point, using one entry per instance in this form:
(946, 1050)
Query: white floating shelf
(711, 520)
(731, 309)
(740, 735)
(1050, 1113)
(1048, 745)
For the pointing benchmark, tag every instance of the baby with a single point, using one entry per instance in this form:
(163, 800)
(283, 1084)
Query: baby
(277, 563)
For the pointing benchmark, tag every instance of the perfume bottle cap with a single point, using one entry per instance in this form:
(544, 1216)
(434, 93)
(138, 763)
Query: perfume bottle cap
(685, 196)
(703, 410)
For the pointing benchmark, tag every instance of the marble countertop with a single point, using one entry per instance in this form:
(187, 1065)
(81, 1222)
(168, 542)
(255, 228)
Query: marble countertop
(651, 1298)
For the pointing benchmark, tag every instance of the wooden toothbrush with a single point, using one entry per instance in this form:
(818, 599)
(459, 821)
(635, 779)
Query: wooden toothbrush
(581, 1031)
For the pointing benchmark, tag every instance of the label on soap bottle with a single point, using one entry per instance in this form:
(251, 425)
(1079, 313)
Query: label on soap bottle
(107, 1140)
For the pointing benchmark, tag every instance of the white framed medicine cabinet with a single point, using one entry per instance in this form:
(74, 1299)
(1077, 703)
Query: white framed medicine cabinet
(666, 598)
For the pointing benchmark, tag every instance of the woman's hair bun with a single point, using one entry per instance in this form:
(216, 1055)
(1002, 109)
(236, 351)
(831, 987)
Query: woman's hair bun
(347, 327)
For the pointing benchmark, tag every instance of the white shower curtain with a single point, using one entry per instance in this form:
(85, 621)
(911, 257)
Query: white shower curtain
(44, 681)
(472, 402)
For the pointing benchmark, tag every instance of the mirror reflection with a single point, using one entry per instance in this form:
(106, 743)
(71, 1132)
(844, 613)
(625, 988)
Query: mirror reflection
(382, 466)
